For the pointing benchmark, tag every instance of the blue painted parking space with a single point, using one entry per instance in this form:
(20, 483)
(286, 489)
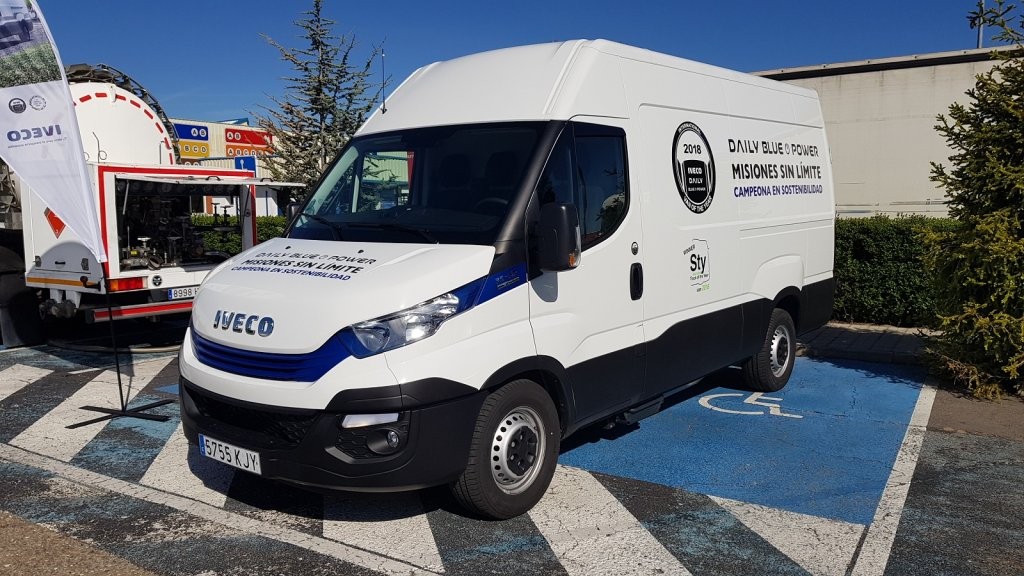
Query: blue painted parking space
(823, 446)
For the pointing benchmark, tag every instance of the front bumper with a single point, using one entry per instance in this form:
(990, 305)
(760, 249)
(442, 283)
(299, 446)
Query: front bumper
(309, 447)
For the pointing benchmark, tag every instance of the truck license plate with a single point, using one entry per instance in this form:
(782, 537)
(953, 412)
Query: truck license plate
(184, 292)
(231, 455)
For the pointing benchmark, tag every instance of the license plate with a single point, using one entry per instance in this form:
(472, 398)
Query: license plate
(179, 293)
(231, 455)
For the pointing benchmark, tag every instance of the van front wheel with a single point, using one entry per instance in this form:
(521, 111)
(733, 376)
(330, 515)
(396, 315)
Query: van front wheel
(770, 368)
(513, 452)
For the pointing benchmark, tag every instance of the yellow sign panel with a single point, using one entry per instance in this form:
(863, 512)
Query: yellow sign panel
(194, 149)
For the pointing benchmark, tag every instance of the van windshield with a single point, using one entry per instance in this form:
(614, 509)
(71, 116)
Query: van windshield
(447, 185)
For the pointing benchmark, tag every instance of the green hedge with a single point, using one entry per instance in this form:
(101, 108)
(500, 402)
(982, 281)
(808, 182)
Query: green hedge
(267, 227)
(880, 277)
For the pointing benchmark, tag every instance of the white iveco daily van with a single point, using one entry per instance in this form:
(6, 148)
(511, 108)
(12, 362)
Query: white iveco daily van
(525, 242)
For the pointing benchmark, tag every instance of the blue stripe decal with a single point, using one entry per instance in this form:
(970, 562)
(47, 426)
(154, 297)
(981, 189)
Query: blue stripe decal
(313, 365)
(308, 367)
(498, 283)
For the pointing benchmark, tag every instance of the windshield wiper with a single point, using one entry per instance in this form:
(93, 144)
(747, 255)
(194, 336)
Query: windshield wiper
(393, 226)
(335, 227)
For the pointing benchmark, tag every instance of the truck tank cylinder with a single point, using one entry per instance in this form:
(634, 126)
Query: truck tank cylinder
(119, 127)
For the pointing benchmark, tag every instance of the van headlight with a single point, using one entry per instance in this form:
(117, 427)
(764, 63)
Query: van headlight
(409, 325)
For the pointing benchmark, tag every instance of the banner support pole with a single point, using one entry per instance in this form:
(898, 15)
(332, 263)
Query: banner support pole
(122, 412)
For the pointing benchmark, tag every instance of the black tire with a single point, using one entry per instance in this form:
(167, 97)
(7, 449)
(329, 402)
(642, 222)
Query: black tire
(770, 368)
(507, 475)
(25, 32)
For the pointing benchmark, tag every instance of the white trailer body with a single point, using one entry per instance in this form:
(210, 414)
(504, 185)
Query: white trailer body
(526, 242)
(145, 201)
(155, 268)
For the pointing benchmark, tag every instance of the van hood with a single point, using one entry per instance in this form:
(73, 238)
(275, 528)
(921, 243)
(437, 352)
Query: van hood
(311, 289)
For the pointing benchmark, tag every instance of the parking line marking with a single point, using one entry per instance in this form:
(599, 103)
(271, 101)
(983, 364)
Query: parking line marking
(874, 553)
(706, 537)
(392, 525)
(49, 434)
(591, 532)
(239, 522)
(14, 378)
(819, 545)
(180, 471)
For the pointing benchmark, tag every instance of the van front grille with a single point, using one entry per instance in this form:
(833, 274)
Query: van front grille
(308, 367)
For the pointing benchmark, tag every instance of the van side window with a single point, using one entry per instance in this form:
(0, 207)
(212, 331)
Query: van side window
(601, 167)
(557, 183)
(587, 168)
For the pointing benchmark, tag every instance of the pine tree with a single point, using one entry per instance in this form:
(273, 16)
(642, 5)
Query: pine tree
(325, 101)
(978, 265)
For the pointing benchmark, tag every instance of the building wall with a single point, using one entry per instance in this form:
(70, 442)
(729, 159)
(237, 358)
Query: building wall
(881, 129)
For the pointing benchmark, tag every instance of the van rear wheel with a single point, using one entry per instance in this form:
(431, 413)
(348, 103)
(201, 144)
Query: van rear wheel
(770, 368)
(513, 452)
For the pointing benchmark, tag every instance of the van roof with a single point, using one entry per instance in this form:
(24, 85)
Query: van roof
(535, 82)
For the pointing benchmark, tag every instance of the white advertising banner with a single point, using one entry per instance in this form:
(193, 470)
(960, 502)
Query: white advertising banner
(39, 136)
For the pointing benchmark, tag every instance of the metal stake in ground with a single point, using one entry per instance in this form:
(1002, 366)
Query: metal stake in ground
(123, 411)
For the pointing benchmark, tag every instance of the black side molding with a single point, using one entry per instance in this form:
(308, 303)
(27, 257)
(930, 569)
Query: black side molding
(816, 300)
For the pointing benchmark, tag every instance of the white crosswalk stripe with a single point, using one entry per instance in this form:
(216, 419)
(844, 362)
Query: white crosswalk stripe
(175, 471)
(49, 435)
(592, 533)
(214, 514)
(16, 377)
(819, 545)
(393, 525)
(587, 528)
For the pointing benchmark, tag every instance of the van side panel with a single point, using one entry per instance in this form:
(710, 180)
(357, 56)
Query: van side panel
(693, 314)
(736, 190)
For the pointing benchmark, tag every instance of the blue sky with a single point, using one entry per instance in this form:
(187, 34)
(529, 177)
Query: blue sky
(206, 60)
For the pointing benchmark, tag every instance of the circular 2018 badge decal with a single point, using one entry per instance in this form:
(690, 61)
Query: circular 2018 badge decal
(694, 167)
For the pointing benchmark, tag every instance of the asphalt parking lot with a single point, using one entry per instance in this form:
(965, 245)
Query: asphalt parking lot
(854, 468)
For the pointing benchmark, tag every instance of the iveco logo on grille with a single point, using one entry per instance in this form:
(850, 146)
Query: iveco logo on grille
(239, 322)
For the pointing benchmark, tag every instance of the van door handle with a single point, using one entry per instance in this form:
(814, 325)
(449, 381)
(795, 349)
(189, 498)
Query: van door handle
(636, 281)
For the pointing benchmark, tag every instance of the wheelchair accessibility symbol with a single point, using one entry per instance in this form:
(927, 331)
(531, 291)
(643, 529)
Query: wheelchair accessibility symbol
(755, 399)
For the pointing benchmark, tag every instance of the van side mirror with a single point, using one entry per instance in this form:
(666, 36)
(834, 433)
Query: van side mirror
(558, 237)
(292, 210)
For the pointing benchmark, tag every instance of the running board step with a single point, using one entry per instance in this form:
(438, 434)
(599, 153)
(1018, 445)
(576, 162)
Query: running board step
(638, 413)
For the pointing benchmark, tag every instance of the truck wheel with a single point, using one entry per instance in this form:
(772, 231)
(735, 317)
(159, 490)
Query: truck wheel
(25, 31)
(513, 452)
(769, 369)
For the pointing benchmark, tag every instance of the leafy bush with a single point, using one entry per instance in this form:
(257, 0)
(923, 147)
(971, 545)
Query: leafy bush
(977, 267)
(267, 227)
(880, 277)
(980, 298)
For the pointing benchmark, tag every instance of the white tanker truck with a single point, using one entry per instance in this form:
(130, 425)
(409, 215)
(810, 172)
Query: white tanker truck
(145, 200)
